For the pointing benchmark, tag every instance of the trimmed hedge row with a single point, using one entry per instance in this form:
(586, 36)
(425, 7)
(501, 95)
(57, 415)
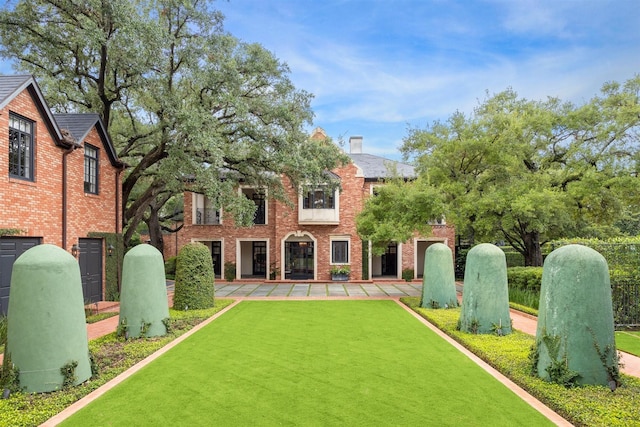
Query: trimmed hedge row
(525, 278)
(195, 280)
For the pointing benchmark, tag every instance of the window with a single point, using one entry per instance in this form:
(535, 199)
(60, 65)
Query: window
(90, 169)
(339, 252)
(20, 147)
(259, 197)
(204, 213)
(321, 198)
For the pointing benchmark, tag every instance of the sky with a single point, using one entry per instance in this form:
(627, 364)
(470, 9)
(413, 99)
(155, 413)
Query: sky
(379, 67)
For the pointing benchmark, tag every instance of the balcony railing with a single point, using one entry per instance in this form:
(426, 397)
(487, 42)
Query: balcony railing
(207, 216)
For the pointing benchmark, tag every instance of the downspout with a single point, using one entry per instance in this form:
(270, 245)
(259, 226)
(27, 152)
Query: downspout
(70, 150)
(119, 210)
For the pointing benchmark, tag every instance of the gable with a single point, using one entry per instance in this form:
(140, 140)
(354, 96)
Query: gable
(79, 126)
(12, 86)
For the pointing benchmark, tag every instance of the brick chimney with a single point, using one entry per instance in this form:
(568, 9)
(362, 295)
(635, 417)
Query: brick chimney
(355, 145)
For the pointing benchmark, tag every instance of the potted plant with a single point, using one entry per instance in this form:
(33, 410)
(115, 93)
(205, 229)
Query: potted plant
(340, 272)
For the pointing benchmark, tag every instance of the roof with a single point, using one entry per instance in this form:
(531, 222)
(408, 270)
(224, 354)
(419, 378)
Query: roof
(375, 167)
(79, 125)
(11, 86)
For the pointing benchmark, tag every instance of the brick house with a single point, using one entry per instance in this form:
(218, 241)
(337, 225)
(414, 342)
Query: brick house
(61, 184)
(304, 242)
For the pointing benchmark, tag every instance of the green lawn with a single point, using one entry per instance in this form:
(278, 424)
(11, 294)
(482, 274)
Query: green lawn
(311, 363)
(628, 341)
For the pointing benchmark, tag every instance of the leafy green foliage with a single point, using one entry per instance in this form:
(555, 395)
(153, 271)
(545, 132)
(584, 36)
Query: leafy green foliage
(584, 405)
(525, 278)
(530, 171)
(9, 231)
(397, 211)
(229, 271)
(170, 266)
(100, 316)
(407, 274)
(68, 373)
(180, 97)
(195, 279)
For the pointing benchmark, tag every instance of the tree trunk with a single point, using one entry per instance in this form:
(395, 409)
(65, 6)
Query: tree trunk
(155, 231)
(532, 252)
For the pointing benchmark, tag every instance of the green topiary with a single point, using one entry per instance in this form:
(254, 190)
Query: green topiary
(195, 279)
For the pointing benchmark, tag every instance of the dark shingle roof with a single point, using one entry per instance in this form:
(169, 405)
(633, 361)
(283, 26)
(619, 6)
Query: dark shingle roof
(11, 86)
(79, 125)
(375, 167)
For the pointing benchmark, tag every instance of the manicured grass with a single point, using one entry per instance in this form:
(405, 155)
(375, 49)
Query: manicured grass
(582, 406)
(628, 341)
(311, 363)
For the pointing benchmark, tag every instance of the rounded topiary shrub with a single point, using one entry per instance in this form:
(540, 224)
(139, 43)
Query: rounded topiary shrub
(195, 279)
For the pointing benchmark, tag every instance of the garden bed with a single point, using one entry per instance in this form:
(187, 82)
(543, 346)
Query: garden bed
(582, 406)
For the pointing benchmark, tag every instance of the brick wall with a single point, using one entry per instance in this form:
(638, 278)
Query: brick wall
(35, 207)
(283, 223)
(91, 212)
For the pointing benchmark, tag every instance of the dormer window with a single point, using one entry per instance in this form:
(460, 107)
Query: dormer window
(320, 198)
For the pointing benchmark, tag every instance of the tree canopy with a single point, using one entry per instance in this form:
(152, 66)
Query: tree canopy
(180, 98)
(524, 171)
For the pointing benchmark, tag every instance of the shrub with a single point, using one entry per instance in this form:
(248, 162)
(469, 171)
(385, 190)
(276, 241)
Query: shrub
(513, 258)
(525, 278)
(170, 267)
(195, 280)
(229, 271)
(407, 274)
(340, 269)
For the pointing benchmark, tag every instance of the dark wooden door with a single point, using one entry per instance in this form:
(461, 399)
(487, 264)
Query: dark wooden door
(390, 260)
(90, 259)
(10, 249)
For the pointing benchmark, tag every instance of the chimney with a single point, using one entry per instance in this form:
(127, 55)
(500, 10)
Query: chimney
(355, 145)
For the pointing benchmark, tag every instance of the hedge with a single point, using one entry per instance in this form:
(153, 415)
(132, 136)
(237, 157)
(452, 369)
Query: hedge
(195, 279)
(525, 278)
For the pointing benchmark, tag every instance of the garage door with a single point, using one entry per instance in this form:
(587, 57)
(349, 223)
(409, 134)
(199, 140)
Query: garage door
(10, 249)
(90, 259)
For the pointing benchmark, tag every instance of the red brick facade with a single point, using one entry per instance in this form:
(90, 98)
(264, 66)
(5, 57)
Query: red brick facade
(37, 206)
(284, 224)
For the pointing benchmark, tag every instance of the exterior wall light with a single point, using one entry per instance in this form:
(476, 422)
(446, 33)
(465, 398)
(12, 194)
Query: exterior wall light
(74, 250)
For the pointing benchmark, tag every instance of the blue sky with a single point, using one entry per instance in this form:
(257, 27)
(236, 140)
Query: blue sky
(377, 67)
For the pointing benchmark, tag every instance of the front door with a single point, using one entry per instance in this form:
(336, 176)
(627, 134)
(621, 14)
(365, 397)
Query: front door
(216, 257)
(260, 259)
(298, 260)
(90, 260)
(10, 249)
(390, 261)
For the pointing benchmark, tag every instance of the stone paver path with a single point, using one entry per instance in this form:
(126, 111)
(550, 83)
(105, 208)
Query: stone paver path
(305, 290)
